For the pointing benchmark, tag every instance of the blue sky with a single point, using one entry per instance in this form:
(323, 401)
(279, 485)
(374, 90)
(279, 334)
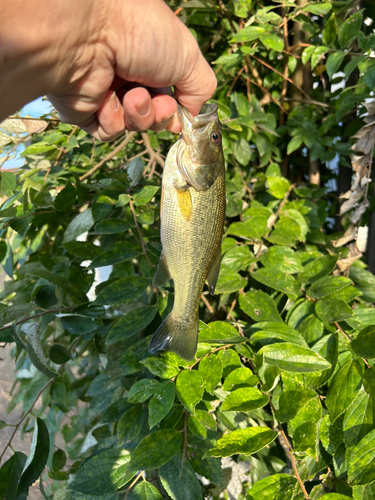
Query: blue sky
(34, 109)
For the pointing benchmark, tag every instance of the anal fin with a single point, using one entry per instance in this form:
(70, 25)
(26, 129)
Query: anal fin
(213, 273)
(162, 274)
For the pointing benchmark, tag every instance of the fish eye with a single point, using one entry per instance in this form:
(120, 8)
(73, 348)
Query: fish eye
(216, 137)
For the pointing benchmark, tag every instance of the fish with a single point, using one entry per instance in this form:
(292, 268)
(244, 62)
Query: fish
(192, 213)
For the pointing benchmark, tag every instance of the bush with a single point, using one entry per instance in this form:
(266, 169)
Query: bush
(279, 402)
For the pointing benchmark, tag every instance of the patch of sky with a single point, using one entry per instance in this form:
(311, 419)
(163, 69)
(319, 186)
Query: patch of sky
(34, 109)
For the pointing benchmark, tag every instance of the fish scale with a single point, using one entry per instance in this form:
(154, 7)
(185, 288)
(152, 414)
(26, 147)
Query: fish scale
(192, 219)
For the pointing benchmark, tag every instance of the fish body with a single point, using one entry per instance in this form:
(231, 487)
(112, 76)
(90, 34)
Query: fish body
(192, 218)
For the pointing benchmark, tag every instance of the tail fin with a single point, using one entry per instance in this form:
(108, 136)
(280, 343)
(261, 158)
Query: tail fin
(176, 335)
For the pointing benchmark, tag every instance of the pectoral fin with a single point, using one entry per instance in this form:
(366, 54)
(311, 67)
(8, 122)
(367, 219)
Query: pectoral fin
(185, 204)
(213, 273)
(162, 274)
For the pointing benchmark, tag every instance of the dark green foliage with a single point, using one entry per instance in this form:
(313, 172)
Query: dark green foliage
(284, 370)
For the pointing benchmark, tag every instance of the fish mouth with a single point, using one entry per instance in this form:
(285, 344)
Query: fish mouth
(207, 114)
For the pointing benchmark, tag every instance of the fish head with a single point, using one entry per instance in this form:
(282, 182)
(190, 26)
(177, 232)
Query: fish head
(200, 151)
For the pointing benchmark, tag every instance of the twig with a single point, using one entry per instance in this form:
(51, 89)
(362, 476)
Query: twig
(213, 350)
(26, 216)
(185, 442)
(348, 337)
(139, 232)
(141, 474)
(111, 155)
(309, 101)
(234, 81)
(232, 306)
(16, 427)
(154, 155)
(290, 452)
(280, 74)
(61, 152)
(37, 316)
(207, 304)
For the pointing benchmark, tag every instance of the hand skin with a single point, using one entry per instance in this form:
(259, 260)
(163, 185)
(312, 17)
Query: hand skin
(106, 65)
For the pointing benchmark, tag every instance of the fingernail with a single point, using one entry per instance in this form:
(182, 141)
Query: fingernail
(113, 102)
(168, 118)
(144, 107)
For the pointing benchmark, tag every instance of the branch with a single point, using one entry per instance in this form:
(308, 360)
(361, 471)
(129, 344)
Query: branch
(185, 442)
(154, 155)
(37, 316)
(111, 155)
(139, 232)
(207, 304)
(36, 399)
(280, 74)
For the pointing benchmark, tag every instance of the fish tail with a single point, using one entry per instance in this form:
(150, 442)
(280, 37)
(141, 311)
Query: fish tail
(177, 335)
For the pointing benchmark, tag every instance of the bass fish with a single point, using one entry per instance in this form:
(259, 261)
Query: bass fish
(192, 218)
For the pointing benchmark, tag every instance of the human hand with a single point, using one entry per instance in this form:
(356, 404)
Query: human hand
(123, 65)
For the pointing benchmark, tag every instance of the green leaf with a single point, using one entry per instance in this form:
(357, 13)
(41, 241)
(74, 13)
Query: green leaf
(319, 267)
(361, 467)
(319, 9)
(350, 29)
(293, 358)
(330, 30)
(278, 186)
(229, 360)
(242, 152)
(59, 281)
(217, 332)
(239, 377)
(271, 332)
(294, 144)
(283, 259)
(130, 324)
(275, 487)
(111, 226)
(117, 253)
(142, 390)
(362, 318)
(334, 496)
(248, 34)
(292, 400)
(259, 306)
(161, 402)
(156, 449)
(328, 348)
(130, 424)
(80, 224)
(334, 62)
(277, 280)
(35, 349)
(245, 441)
(130, 362)
(203, 425)
(229, 281)
(344, 387)
(306, 55)
(145, 491)
(37, 459)
(359, 419)
(327, 286)
(7, 183)
(58, 459)
(181, 483)
(115, 410)
(272, 42)
(103, 473)
(364, 344)
(161, 367)
(211, 370)
(59, 354)
(145, 195)
(66, 198)
(254, 228)
(79, 325)
(237, 258)
(10, 474)
(332, 310)
(189, 388)
(244, 399)
(123, 290)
